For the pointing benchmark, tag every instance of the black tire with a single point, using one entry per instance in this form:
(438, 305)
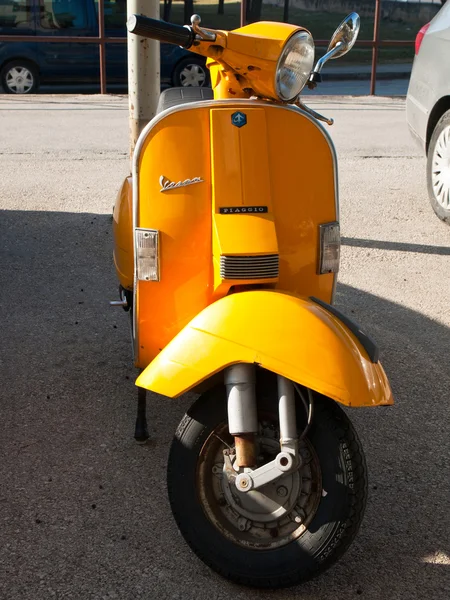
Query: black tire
(334, 524)
(197, 68)
(28, 72)
(439, 202)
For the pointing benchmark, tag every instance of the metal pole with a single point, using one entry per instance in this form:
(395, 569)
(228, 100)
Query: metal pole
(286, 11)
(101, 46)
(243, 12)
(143, 71)
(376, 42)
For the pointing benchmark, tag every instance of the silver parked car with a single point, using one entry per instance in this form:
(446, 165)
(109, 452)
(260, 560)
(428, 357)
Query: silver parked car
(428, 107)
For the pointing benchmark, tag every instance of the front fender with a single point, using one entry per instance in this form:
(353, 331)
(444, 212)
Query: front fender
(291, 336)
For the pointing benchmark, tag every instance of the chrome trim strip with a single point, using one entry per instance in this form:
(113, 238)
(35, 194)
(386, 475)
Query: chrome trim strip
(212, 104)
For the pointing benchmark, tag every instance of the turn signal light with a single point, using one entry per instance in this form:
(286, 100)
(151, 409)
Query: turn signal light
(147, 254)
(330, 248)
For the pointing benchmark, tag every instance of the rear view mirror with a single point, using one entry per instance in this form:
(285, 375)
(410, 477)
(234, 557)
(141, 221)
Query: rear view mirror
(345, 35)
(342, 41)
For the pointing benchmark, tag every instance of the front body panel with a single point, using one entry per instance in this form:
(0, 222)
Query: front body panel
(183, 218)
(280, 159)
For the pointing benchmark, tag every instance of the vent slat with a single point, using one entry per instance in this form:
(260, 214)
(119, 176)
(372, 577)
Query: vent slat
(249, 267)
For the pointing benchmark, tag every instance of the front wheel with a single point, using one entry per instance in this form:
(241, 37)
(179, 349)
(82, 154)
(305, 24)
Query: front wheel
(287, 531)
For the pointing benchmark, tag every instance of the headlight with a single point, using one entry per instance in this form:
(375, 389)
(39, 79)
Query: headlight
(294, 66)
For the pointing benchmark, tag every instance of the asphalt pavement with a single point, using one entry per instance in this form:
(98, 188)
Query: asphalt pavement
(83, 509)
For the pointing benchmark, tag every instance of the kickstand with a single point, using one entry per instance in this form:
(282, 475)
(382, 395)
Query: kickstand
(141, 428)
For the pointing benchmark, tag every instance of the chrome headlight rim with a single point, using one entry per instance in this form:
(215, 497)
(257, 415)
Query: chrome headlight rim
(304, 36)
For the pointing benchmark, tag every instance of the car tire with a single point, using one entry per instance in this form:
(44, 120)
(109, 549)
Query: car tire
(190, 72)
(438, 169)
(19, 77)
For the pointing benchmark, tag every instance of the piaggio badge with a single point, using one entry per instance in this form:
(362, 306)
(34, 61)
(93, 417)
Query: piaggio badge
(239, 119)
(242, 210)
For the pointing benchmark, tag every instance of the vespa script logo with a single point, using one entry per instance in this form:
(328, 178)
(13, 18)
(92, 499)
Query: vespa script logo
(167, 185)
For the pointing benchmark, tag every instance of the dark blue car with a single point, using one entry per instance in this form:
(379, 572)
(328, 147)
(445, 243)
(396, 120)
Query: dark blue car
(24, 65)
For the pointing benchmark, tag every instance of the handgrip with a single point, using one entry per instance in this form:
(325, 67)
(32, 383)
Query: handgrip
(160, 30)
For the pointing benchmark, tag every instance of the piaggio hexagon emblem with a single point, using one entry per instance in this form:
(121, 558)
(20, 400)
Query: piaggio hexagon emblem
(239, 119)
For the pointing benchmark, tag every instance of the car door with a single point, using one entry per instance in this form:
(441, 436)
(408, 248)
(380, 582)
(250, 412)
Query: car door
(17, 18)
(67, 61)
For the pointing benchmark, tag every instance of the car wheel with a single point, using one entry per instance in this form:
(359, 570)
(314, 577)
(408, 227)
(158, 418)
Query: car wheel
(19, 77)
(438, 168)
(190, 72)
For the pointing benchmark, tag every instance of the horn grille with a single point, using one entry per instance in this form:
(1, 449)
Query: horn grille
(249, 267)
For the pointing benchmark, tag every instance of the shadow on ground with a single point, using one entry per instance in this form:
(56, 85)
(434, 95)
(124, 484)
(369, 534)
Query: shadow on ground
(83, 509)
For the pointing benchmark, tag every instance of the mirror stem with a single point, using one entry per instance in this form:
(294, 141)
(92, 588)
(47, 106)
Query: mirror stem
(325, 58)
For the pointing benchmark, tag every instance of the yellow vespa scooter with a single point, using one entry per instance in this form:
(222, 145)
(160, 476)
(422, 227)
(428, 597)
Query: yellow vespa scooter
(227, 248)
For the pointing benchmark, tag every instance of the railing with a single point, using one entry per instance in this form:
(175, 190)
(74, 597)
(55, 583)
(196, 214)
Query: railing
(101, 40)
(375, 43)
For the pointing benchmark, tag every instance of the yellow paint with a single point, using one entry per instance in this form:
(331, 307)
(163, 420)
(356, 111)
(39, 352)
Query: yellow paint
(243, 62)
(183, 218)
(192, 323)
(123, 235)
(285, 334)
(240, 179)
(297, 186)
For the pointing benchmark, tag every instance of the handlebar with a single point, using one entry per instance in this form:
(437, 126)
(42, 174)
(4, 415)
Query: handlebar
(160, 30)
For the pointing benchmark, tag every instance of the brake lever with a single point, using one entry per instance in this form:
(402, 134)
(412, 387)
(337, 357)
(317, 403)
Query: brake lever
(313, 113)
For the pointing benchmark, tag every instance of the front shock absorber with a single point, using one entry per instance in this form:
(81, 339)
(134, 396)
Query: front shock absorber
(242, 411)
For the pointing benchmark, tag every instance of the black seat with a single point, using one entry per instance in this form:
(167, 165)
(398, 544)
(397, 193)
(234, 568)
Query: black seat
(183, 95)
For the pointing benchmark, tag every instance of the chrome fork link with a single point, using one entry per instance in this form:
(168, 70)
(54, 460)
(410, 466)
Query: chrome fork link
(287, 460)
(242, 411)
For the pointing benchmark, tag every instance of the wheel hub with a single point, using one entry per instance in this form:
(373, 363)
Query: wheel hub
(267, 504)
(270, 516)
(19, 80)
(192, 76)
